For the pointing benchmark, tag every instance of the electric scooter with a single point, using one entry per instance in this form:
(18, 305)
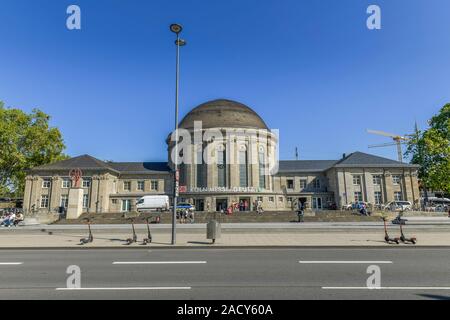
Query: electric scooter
(90, 237)
(386, 235)
(133, 239)
(149, 235)
(412, 240)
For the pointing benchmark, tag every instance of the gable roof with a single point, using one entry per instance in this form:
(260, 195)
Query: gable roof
(87, 162)
(361, 159)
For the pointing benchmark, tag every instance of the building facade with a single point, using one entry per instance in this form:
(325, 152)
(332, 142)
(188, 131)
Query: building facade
(229, 156)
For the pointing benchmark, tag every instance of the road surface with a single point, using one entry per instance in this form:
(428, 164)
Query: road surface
(229, 274)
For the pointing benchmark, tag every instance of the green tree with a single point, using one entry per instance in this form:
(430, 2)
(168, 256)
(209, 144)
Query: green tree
(26, 141)
(431, 150)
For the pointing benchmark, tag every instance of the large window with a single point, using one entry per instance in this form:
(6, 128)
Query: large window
(262, 167)
(66, 183)
(201, 169)
(154, 185)
(303, 183)
(396, 179)
(290, 184)
(221, 167)
(44, 201)
(378, 198)
(46, 183)
(376, 179)
(126, 205)
(398, 196)
(243, 168)
(86, 183)
(358, 196)
(64, 201)
(357, 180)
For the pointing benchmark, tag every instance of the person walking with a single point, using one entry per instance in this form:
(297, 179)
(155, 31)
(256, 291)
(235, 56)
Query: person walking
(300, 211)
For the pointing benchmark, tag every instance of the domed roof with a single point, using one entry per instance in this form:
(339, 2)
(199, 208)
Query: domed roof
(223, 113)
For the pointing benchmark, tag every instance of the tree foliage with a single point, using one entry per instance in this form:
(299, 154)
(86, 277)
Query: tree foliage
(26, 141)
(431, 150)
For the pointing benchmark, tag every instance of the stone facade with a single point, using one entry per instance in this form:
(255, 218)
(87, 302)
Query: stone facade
(237, 166)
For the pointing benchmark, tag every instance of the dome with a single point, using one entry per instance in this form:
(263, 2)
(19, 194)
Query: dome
(223, 113)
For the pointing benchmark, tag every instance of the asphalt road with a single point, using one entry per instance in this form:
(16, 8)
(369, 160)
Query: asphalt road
(228, 274)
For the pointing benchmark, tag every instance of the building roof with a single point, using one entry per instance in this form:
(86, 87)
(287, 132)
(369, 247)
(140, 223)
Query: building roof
(361, 159)
(305, 165)
(223, 113)
(87, 162)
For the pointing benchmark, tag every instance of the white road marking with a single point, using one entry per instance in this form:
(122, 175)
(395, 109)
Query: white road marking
(123, 288)
(158, 262)
(345, 262)
(10, 263)
(386, 288)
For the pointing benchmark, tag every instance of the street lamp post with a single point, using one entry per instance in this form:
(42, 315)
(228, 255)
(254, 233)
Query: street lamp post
(176, 28)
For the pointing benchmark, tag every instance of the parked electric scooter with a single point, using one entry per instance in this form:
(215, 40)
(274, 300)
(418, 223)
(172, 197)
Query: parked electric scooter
(133, 239)
(412, 240)
(386, 235)
(90, 237)
(149, 235)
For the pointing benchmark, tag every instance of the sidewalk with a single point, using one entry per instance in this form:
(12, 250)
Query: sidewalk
(243, 235)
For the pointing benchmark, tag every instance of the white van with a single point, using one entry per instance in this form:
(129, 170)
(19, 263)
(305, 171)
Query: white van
(153, 203)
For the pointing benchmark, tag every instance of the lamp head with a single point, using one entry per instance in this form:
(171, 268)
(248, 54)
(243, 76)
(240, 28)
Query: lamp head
(176, 28)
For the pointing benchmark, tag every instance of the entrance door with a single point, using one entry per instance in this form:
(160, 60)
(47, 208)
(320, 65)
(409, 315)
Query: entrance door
(221, 204)
(199, 204)
(244, 204)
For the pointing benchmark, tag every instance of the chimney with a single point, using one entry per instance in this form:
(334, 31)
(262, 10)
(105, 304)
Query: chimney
(344, 155)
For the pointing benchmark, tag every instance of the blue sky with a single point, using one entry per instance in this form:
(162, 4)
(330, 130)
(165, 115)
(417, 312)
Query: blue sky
(310, 68)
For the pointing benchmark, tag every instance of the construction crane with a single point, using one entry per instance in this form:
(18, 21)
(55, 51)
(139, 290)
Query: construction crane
(398, 140)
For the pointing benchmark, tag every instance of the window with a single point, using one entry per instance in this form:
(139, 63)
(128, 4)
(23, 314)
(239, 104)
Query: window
(376, 179)
(398, 196)
(86, 183)
(357, 180)
(396, 179)
(290, 184)
(66, 183)
(44, 201)
(280, 199)
(260, 199)
(126, 205)
(317, 203)
(221, 166)
(289, 199)
(154, 185)
(243, 166)
(201, 169)
(378, 199)
(141, 185)
(262, 166)
(46, 183)
(358, 196)
(271, 199)
(114, 201)
(85, 201)
(64, 201)
(127, 185)
(316, 183)
(303, 183)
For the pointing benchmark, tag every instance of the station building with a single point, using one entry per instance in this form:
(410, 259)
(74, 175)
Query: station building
(236, 166)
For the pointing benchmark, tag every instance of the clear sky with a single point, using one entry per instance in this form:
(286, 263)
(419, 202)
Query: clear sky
(310, 68)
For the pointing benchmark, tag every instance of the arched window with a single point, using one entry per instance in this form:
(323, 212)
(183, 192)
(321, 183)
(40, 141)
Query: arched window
(262, 166)
(243, 166)
(221, 166)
